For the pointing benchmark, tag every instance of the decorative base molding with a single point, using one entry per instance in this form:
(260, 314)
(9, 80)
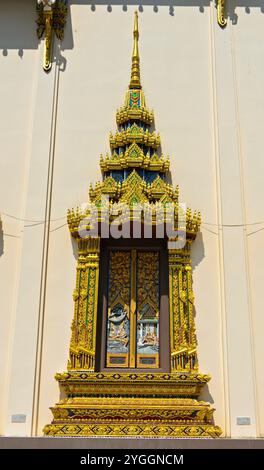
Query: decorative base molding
(142, 405)
(174, 384)
(132, 430)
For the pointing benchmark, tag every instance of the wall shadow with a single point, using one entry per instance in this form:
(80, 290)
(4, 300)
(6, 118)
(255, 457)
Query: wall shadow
(62, 393)
(18, 17)
(231, 5)
(198, 251)
(205, 395)
(18, 26)
(74, 247)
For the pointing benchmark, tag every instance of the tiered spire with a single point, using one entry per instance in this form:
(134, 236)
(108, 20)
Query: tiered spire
(134, 146)
(135, 171)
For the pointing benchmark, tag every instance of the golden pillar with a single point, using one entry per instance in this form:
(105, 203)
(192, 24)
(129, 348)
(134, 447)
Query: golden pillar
(182, 327)
(85, 296)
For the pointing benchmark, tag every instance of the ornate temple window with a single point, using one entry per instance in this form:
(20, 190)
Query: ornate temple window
(133, 367)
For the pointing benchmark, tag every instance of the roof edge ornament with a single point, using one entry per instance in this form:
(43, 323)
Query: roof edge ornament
(51, 18)
(221, 13)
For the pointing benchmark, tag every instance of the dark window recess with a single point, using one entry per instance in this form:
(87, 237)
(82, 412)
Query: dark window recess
(150, 176)
(144, 361)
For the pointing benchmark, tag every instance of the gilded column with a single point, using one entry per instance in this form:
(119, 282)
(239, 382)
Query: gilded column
(182, 327)
(85, 296)
(191, 331)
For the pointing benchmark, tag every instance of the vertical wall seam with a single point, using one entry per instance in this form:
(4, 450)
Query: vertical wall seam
(45, 252)
(224, 344)
(240, 155)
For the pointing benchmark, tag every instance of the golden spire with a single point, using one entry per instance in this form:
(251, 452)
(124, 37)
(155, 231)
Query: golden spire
(135, 71)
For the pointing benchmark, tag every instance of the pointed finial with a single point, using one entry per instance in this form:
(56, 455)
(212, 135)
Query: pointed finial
(135, 71)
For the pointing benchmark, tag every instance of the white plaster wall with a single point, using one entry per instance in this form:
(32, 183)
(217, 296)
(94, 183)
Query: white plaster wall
(18, 65)
(250, 104)
(205, 86)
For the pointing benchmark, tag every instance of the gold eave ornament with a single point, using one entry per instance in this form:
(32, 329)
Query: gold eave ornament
(51, 17)
(221, 13)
